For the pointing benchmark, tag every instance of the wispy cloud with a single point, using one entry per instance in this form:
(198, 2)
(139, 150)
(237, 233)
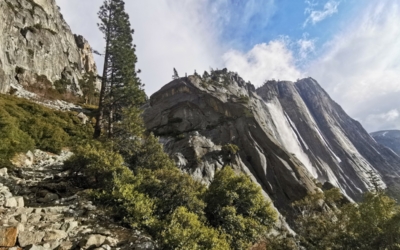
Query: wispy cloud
(361, 66)
(315, 16)
(273, 60)
(306, 46)
(187, 35)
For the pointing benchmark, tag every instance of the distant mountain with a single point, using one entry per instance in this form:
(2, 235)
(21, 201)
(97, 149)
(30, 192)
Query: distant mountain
(388, 138)
(288, 134)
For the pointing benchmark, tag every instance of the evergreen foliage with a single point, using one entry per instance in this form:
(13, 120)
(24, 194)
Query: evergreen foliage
(325, 221)
(25, 125)
(175, 75)
(184, 230)
(88, 87)
(236, 207)
(120, 85)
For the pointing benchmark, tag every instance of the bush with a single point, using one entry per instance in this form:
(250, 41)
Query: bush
(25, 125)
(236, 206)
(170, 189)
(325, 222)
(230, 149)
(184, 230)
(243, 99)
(97, 163)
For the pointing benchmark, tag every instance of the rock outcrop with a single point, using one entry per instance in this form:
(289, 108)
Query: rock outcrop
(37, 47)
(289, 135)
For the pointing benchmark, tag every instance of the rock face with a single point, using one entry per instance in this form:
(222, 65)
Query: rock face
(288, 134)
(37, 46)
(389, 139)
(339, 149)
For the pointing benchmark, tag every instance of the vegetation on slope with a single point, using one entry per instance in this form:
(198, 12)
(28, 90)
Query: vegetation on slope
(25, 125)
(325, 221)
(178, 211)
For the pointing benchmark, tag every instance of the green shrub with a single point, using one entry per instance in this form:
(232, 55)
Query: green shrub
(169, 188)
(97, 163)
(184, 230)
(62, 85)
(180, 137)
(31, 52)
(236, 206)
(230, 148)
(324, 221)
(25, 125)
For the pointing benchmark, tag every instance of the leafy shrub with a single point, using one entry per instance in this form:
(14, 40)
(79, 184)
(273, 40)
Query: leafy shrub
(97, 162)
(236, 207)
(62, 85)
(170, 189)
(25, 125)
(184, 230)
(325, 222)
(230, 148)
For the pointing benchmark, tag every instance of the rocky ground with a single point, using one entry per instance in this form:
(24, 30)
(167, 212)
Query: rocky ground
(41, 209)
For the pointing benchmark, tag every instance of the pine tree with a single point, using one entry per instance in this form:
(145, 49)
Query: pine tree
(175, 76)
(121, 87)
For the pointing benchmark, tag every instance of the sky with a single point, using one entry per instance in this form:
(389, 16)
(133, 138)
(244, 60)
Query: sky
(351, 47)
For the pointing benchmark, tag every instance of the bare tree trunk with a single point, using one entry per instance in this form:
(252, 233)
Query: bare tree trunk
(111, 105)
(100, 115)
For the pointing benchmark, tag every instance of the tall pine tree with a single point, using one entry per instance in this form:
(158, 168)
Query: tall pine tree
(121, 88)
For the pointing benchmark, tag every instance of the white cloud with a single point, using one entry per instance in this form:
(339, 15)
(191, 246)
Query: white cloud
(306, 46)
(315, 16)
(168, 33)
(264, 62)
(361, 66)
(387, 120)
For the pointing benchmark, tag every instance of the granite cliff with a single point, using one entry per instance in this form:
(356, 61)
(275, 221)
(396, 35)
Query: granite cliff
(38, 47)
(287, 135)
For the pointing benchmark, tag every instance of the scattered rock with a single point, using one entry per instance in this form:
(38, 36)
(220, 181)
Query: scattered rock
(14, 202)
(55, 235)
(66, 245)
(56, 223)
(30, 238)
(83, 117)
(94, 240)
(48, 198)
(3, 172)
(8, 236)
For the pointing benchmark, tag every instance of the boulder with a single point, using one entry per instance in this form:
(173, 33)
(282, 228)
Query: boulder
(30, 238)
(8, 236)
(16, 201)
(55, 235)
(94, 240)
(3, 172)
(83, 117)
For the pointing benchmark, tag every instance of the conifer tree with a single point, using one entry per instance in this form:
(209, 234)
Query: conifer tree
(121, 88)
(175, 76)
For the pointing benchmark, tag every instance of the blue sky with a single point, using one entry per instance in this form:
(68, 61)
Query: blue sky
(351, 47)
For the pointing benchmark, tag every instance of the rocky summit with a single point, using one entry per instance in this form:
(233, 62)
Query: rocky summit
(285, 135)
